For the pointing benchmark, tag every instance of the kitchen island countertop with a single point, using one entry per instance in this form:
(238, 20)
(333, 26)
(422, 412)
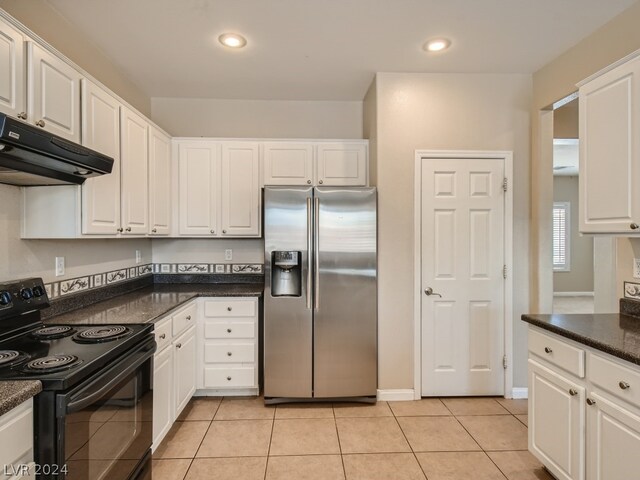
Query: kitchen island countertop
(14, 393)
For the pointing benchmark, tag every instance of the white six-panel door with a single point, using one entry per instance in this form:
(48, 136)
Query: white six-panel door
(462, 262)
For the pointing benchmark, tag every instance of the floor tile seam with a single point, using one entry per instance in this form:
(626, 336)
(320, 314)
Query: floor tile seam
(469, 433)
(266, 464)
(409, 443)
(237, 419)
(499, 469)
(188, 468)
(335, 424)
(195, 454)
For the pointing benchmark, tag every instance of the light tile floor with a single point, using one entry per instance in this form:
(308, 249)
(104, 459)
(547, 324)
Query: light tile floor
(432, 439)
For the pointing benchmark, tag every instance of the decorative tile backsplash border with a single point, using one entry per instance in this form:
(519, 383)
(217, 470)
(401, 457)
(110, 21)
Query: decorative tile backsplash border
(98, 280)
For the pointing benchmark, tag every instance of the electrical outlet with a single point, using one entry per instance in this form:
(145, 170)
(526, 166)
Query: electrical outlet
(59, 266)
(636, 268)
(228, 254)
(138, 256)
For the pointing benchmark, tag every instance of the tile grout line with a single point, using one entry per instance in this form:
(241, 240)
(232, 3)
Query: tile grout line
(273, 426)
(335, 423)
(408, 442)
(202, 441)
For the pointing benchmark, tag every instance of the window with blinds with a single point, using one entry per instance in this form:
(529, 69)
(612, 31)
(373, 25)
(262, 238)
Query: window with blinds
(561, 236)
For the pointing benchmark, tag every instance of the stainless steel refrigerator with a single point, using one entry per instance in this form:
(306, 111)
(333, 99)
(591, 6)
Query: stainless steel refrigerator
(320, 314)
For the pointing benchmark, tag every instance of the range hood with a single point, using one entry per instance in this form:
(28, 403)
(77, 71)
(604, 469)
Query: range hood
(32, 156)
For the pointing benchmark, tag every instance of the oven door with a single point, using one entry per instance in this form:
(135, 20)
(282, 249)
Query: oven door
(106, 424)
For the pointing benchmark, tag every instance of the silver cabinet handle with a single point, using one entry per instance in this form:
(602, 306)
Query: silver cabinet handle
(229, 378)
(120, 230)
(213, 231)
(590, 402)
(309, 249)
(429, 291)
(155, 230)
(40, 123)
(308, 182)
(128, 229)
(547, 350)
(320, 182)
(634, 226)
(224, 231)
(624, 385)
(163, 336)
(229, 354)
(573, 392)
(228, 330)
(188, 317)
(316, 253)
(179, 345)
(22, 115)
(229, 309)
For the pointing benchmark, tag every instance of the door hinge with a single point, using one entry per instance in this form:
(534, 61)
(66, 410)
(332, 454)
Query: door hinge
(505, 184)
(504, 271)
(504, 362)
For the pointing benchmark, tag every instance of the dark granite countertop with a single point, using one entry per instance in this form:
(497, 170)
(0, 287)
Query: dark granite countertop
(613, 333)
(13, 394)
(152, 303)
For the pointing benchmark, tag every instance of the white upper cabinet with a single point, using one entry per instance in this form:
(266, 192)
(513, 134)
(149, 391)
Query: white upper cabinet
(342, 163)
(12, 83)
(101, 132)
(288, 163)
(199, 173)
(159, 182)
(54, 93)
(240, 177)
(610, 151)
(134, 154)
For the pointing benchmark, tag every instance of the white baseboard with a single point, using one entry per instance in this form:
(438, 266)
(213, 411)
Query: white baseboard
(573, 294)
(519, 392)
(392, 395)
(227, 392)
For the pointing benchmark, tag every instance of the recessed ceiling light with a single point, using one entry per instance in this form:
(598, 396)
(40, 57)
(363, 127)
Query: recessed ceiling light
(232, 40)
(437, 45)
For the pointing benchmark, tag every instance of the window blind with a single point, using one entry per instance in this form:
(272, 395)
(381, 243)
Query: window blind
(561, 239)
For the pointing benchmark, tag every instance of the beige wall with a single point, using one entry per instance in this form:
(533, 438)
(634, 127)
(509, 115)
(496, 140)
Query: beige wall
(201, 117)
(445, 112)
(554, 81)
(580, 276)
(43, 19)
(370, 130)
(565, 120)
(194, 250)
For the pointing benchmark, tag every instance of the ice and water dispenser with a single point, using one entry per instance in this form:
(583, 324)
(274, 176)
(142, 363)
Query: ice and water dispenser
(286, 274)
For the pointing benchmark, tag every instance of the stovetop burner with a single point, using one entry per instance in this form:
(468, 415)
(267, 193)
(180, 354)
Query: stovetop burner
(53, 363)
(102, 334)
(11, 357)
(56, 331)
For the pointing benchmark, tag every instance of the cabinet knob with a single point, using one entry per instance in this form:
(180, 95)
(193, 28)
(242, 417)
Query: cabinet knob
(634, 226)
(228, 330)
(320, 182)
(163, 336)
(224, 231)
(308, 182)
(40, 123)
(573, 392)
(547, 350)
(188, 317)
(213, 231)
(22, 115)
(128, 229)
(624, 385)
(590, 402)
(120, 230)
(229, 309)
(229, 378)
(229, 354)
(179, 345)
(154, 230)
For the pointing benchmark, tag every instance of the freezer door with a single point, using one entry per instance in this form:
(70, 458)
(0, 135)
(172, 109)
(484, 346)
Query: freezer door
(345, 307)
(288, 331)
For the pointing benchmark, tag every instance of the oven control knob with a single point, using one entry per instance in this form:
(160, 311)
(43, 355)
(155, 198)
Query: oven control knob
(38, 291)
(26, 294)
(5, 298)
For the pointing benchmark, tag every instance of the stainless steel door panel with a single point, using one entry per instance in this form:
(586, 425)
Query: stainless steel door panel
(288, 331)
(345, 323)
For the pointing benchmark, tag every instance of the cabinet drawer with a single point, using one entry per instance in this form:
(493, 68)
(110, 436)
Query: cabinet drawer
(230, 330)
(184, 318)
(230, 308)
(230, 353)
(616, 379)
(557, 352)
(222, 377)
(163, 333)
(16, 434)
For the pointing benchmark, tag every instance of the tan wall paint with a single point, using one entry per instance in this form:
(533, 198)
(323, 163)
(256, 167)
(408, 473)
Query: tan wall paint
(195, 250)
(565, 121)
(370, 130)
(580, 276)
(447, 112)
(206, 117)
(554, 81)
(43, 19)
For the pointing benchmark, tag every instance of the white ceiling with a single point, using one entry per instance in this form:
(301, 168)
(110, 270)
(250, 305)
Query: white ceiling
(324, 49)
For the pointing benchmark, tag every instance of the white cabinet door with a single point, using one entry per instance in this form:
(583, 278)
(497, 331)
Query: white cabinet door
(184, 360)
(613, 441)
(12, 83)
(101, 132)
(53, 93)
(162, 394)
(288, 163)
(610, 151)
(342, 163)
(159, 182)
(134, 155)
(199, 171)
(556, 422)
(240, 179)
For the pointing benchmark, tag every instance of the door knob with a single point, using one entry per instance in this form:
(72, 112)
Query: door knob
(429, 291)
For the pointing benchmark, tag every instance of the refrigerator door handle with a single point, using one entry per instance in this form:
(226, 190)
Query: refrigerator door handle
(309, 250)
(316, 254)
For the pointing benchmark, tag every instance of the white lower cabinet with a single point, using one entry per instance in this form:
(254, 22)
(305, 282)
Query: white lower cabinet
(184, 361)
(16, 443)
(162, 394)
(583, 427)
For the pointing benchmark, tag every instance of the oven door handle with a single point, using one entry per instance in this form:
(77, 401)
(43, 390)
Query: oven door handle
(88, 395)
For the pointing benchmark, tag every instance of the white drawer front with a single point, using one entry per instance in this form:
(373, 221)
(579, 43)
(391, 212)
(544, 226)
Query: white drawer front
(557, 352)
(184, 318)
(221, 377)
(16, 434)
(163, 333)
(616, 379)
(230, 353)
(230, 330)
(230, 308)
